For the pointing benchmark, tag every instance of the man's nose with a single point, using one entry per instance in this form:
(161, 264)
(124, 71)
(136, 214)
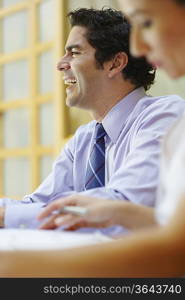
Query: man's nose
(63, 65)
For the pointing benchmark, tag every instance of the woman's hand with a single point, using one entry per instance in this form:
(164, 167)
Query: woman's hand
(99, 213)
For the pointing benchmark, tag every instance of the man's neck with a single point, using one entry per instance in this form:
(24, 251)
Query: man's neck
(109, 101)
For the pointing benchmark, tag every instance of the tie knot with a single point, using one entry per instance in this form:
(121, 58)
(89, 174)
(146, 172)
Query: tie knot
(100, 131)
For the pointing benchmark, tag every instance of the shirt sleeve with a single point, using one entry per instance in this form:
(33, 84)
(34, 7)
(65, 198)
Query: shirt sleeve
(22, 216)
(19, 214)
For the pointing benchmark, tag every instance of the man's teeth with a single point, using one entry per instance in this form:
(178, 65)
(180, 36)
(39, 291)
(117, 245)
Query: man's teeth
(70, 81)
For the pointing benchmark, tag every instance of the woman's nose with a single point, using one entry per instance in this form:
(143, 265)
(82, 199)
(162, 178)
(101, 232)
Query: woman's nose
(138, 46)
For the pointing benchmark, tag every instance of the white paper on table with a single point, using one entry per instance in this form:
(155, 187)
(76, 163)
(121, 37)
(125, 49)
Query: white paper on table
(28, 239)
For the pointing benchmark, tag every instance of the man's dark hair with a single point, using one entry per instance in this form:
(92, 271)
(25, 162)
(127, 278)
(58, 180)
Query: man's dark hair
(108, 32)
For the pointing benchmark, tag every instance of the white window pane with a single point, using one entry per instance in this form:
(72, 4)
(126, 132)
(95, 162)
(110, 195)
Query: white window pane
(15, 80)
(6, 3)
(14, 32)
(45, 166)
(16, 176)
(74, 4)
(46, 16)
(16, 128)
(46, 72)
(46, 124)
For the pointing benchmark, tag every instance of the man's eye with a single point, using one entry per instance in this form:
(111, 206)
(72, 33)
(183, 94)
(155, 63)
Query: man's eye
(73, 53)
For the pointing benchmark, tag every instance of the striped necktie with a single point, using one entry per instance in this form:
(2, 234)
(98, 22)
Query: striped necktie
(95, 174)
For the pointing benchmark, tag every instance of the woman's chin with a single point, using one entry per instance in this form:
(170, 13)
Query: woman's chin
(174, 73)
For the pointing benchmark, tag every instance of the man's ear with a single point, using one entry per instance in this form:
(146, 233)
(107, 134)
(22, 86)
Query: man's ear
(117, 64)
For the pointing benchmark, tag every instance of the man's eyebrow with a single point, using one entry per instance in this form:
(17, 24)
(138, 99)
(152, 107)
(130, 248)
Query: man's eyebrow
(69, 48)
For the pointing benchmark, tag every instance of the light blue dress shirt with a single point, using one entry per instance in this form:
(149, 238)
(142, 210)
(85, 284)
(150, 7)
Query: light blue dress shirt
(135, 127)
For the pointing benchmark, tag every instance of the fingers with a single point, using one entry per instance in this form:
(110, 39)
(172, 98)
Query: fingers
(77, 226)
(56, 205)
(49, 209)
(72, 222)
(48, 223)
(68, 221)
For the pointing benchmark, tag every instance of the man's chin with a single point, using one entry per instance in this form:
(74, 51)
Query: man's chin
(71, 102)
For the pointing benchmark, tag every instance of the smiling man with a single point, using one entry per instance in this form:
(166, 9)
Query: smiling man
(115, 156)
(86, 80)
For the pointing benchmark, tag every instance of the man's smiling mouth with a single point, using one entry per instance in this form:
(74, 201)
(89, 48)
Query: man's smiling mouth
(70, 82)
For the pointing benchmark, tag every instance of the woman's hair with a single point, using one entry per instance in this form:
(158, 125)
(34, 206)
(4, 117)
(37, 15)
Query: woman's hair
(180, 2)
(108, 32)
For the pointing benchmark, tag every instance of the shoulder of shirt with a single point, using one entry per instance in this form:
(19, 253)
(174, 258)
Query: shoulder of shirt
(166, 101)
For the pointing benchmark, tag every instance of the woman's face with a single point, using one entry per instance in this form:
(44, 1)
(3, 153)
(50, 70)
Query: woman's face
(158, 32)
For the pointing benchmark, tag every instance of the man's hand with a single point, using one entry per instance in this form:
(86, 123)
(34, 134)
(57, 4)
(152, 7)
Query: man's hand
(2, 213)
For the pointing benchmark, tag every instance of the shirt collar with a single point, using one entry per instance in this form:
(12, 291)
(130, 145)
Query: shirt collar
(116, 118)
